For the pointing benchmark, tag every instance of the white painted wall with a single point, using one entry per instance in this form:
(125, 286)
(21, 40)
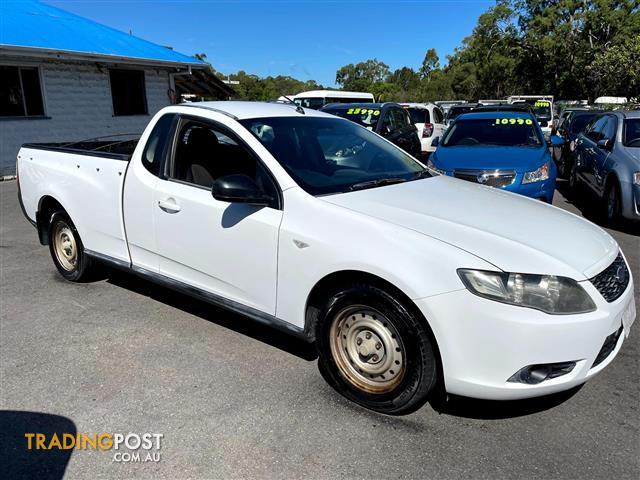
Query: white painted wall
(77, 99)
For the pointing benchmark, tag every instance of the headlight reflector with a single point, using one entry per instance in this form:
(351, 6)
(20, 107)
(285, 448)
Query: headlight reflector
(548, 293)
(539, 175)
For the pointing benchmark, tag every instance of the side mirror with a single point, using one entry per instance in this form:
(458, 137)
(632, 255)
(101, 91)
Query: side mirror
(435, 142)
(239, 189)
(556, 141)
(605, 144)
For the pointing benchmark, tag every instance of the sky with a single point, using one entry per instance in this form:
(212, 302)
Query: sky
(305, 39)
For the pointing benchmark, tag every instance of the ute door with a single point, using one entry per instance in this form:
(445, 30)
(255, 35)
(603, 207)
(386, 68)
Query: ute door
(228, 249)
(139, 193)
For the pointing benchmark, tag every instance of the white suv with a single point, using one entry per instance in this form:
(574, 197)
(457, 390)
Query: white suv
(429, 120)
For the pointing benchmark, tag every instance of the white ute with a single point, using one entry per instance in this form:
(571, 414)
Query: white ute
(315, 225)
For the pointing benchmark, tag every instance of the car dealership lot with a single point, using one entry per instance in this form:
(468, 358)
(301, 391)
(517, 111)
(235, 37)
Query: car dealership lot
(236, 400)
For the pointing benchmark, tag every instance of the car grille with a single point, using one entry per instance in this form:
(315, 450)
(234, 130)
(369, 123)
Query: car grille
(613, 280)
(492, 178)
(609, 344)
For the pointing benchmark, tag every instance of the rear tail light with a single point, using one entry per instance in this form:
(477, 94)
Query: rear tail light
(427, 130)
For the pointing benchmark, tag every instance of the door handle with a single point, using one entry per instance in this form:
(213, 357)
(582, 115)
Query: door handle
(169, 205)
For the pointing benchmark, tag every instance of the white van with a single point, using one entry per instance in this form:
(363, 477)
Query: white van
(317, 99)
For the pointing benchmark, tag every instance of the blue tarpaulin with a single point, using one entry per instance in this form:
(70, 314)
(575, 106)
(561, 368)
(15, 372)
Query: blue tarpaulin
(36, 25)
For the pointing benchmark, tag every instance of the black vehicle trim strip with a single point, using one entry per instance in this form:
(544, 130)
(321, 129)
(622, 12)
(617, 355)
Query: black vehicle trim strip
(212, 298)
(77, 151)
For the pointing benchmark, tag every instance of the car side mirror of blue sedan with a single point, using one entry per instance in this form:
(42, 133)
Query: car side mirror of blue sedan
(435, 142)
(556, 141)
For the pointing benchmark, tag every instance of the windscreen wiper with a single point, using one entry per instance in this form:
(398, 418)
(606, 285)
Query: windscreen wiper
(375, 183)
(422, 174)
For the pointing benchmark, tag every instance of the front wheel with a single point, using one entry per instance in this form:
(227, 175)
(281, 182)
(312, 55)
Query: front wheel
(67, 250)
(375, 350)
(611, 203)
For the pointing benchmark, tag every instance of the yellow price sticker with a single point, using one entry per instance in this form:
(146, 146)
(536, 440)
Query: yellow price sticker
(513, 121)
(363, 111)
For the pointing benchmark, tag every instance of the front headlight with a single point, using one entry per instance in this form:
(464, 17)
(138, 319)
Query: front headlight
(548, 293)
(539, 175)
(433, 169)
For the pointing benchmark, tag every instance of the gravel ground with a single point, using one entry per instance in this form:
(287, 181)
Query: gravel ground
(235, 400)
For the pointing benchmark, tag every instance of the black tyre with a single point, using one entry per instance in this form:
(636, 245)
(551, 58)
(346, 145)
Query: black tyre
(375, 350)
(611, 203)
(564, 166)
(67, 250)
(573, 176)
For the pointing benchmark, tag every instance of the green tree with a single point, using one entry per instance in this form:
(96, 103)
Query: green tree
(430, 63)
(616, 70)
(361, 76)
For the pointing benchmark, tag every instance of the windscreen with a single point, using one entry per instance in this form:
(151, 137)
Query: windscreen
(632, 132)
(367, 117)
(329, 155)
(541, 108)
(580, 121)
(494, 131)
(418, 115)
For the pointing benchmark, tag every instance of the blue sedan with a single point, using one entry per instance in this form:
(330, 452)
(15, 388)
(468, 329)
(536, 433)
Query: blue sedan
(505, 150)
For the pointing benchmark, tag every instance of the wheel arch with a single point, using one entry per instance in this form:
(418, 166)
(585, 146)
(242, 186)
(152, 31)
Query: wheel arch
(323, 287)
(47, 205)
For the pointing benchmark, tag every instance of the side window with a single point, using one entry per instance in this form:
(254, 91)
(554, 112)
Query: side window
(204, 153)
(154, 149)
(387, 124)
(609, 131)
(437, 114)
(595, 130)
(398, 118)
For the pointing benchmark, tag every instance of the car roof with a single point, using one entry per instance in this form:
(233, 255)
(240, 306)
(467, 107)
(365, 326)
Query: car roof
(631, 113)
(243, 110)
(475, 115)
(423, 106)
(336, 106)
(521, 107)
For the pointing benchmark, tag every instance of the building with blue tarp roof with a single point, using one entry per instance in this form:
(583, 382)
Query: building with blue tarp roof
(66, 78)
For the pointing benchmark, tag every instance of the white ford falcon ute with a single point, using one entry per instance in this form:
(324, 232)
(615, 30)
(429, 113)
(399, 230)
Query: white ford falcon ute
(312, 224)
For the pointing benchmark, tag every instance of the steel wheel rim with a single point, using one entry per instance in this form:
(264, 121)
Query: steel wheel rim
(64, 246)
(367, 349)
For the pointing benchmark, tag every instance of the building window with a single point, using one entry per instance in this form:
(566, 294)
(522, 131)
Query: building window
(20, 92)
(128, 92)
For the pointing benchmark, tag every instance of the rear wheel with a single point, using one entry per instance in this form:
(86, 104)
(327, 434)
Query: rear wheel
(66, 249)
(374, 350)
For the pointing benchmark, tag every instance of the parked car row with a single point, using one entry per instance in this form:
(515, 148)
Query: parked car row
(513, 146)
(606, 160)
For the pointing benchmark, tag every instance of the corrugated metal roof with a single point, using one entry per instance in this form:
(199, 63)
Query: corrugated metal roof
(33, 25)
